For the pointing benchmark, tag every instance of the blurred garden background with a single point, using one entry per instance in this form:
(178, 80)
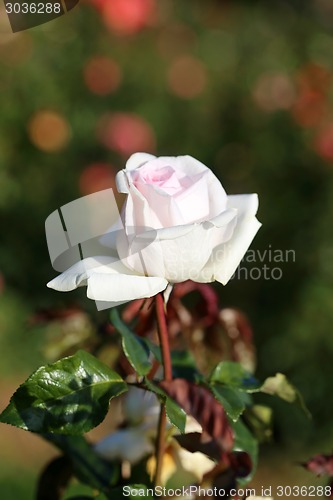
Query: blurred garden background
(244, 86)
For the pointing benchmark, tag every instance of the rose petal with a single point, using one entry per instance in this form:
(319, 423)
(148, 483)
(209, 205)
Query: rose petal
(171, 233)
(107, 280)
(122, 182)
(138, 159)
(123, 287)
(189, 165)
(135, 161)
(177, 253)
(125, 444)
(244, 203)
(226, 257)
(161, 208)
(137, 212)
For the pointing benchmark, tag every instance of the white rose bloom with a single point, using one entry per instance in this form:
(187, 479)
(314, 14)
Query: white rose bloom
(178, 224)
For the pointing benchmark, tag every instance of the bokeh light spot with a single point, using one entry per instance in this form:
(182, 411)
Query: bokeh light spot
(126, 17)
(324, 142)
(310, 106)
(273, 92)
(187, 77)
(126, 133)
(96, 177)
(175, 40)
(48, 131)
(102, 75)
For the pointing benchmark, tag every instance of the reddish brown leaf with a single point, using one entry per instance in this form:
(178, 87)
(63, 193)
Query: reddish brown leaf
(207, 308)
(43, 316)
(239, 331)
(201, 404)
(321, 465)
(141, 310)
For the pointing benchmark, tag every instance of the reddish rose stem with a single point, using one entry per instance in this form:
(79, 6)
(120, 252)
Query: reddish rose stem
(162, 330)
(163, 336)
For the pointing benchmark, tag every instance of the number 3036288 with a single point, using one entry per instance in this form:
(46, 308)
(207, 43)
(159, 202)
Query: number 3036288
(304, 491)
(33, 8)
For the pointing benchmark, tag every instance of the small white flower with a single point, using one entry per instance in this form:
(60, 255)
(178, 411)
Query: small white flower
(125, 444)
(141, 410)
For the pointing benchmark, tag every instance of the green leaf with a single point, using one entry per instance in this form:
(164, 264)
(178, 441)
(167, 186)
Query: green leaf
(234, 375)
(89, 468)
(70, 396)
(259, 418)
(175, 413)
(134, 348)
(231, 399)
(245, 441)
(155, 349)
(280, 386)
(183, 366)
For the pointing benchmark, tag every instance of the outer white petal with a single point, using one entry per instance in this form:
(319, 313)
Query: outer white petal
(125, 444)
(138, 159)
(139, 405)
(226, 257)
(122, 182)
(123, 287)
(189, 165)
(245, 203)
(78, 274)
(189, 468)
(107, 280)
(195, 463)
(177, 253)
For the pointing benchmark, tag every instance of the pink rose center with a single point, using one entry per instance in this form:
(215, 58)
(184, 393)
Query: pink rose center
(165, 178)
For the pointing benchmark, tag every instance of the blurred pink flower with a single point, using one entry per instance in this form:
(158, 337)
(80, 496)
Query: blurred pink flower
(126, 17)
(274, 91)
(96, 177)
(102, 75)
(313, 82)
(126, 133)
(324, 142)
(187, 77)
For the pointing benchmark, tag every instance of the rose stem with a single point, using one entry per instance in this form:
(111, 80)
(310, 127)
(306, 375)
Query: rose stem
(162, 331)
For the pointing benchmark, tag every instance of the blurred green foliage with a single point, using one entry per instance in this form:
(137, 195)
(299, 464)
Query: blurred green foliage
(246, 87)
